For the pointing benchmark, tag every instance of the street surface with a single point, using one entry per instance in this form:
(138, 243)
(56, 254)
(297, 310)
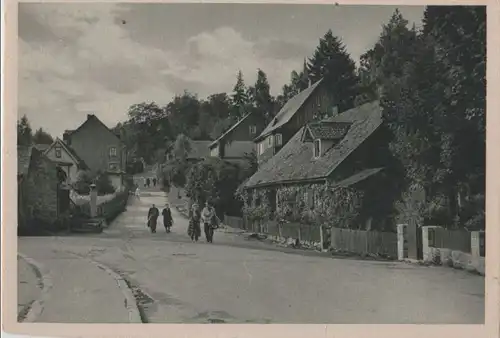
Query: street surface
(236, 280)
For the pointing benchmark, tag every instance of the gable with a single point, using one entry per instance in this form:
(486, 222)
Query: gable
(68, 155)
(94, 125)
(295, 161)
(289, 110)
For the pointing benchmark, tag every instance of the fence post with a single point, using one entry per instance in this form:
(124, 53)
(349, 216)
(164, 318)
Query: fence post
(93, 201)
(402, 250)
(321, 238)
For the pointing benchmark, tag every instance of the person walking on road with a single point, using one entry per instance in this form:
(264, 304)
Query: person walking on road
(208, 218)
(153, 214)
(154, 181)
(194, 230)
(138, 193)
(148, 182)
(167, 218)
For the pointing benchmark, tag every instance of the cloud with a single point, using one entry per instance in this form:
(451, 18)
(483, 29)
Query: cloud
(213, 59)
(83, 62)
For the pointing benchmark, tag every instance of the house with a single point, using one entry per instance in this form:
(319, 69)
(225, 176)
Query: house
(237, 141)
(42, 195)
(66, 158)
(199, 151)
(299, 110)
(345, 151)
(100, 149)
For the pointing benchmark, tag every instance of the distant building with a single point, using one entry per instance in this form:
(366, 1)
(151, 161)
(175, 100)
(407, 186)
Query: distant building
(199, 151)
(237, 141)
(299, 110)
(66, 158)
(100, 148)
(42, 195)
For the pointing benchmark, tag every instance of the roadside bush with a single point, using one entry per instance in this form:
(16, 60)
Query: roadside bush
(103, 185)
(83, 182)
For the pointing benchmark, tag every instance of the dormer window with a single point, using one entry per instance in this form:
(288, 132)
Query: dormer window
(317, 148)
(58, 152)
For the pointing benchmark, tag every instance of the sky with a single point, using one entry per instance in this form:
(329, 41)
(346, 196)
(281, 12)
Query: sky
(100, 58)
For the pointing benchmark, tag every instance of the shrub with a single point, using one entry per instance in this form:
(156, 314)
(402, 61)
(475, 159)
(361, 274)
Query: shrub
(103, 184)
(83, 182)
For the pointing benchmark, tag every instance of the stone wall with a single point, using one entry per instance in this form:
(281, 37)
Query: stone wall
(460, 259)
(40, 189)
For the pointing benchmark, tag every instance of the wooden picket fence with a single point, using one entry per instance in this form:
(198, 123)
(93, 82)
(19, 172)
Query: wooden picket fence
(364, 242)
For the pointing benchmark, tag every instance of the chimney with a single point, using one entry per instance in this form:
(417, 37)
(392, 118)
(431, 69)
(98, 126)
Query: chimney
(89, 116)
(309, 85)
(66, 137)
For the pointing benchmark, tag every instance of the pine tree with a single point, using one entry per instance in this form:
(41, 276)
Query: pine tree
(331, 62)
(263, 100)
(24, 132)
(239, 97)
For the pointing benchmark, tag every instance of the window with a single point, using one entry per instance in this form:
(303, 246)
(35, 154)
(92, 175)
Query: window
(278, 140)
(112, 152)
(113, 166)
(253, 130)
(317, 148)
(270, 140)
(58, 152)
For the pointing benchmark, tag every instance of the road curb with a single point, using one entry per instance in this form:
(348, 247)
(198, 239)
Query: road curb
(36, 308)
(134, 315)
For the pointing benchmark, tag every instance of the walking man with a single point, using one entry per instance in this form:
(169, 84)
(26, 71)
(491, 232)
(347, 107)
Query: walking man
(154, 181)
(138, 193)
(194, 230)
(153, 214)
(148, 182)
(167, 218)
(208, 217)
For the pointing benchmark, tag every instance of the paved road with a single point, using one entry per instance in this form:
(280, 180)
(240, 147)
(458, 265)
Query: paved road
(235, 280)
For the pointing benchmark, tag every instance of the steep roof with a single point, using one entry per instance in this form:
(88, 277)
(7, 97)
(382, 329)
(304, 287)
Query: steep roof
(289, 110)
(296, 160)
(328, 130)
(91, 117)
(199, 149)
(227, 132)
(80, 163)
(23, 159)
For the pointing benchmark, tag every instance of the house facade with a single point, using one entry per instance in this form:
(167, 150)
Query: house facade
(237, 141)
(299, 110)
(100, 148)
(42, 195)
(66, 158)
(332, 171)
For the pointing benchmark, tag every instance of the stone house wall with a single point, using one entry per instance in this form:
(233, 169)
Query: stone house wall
(40, 189)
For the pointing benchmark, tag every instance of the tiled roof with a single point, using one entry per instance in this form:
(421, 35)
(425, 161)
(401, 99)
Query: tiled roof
(295, 161)
(227, 132)
(23, 159)
(199, 149)
(328, 130)
(289, 110)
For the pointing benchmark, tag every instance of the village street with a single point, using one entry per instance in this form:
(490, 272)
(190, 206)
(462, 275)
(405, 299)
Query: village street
(235, 280)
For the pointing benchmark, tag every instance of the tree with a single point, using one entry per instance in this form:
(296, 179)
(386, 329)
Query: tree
(24, 132)
(214, 180)
(103, 184)
(333, 64)
(239, 97)
(263, 101)
(434, 104)
(175, 170)
(147, 129)
(42, 137)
